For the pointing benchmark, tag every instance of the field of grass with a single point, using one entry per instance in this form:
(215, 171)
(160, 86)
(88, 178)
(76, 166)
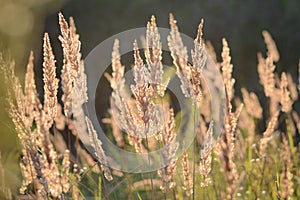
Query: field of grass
(255, 157)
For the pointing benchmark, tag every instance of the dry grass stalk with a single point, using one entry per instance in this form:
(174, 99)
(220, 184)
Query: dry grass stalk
(119, 101)
(72, 61)
(189, 74)
(118, 69)
(73, 80)
(286, 182)
(71, 46)
(67, 88)
(285, 99)
(199, 60)
(99, 152)
(50, 169)
(32, 101)
(226, 68)
(266, 74)
(141, 73)
(39, 163)
(180, 57)
(292, 87)
(66, 171)
(140, 118)
(267, 135)
(227, 149)
(198, 54)
(153, 54)
(147, 114)
(205, 168)
(169, 154)
(79, 98)
(206, 157)
(252, 104)
(80, 87)
(271, 46)
(27, 170)
(50, 85)
(187, 179)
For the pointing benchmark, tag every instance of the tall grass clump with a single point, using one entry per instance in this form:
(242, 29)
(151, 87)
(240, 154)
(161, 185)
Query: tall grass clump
(256, 155)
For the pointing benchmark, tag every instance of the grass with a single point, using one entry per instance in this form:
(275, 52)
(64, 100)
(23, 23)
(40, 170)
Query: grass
(256, 156)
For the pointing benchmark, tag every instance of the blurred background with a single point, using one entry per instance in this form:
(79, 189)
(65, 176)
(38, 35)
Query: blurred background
(22, 24)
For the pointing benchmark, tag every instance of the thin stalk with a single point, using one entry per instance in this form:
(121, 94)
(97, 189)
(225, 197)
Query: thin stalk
(104, 188)
(77, 147)
(102, 179)
(174, 194)
(263, 172)
(69, 134)
(149, 162)
(194, 157)
(99, 188)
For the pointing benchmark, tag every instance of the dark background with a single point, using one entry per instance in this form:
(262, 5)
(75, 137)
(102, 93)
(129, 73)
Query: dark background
(22, 24)
(240, 22)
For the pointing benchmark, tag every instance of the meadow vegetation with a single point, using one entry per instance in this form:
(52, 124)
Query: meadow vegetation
(255, 157)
